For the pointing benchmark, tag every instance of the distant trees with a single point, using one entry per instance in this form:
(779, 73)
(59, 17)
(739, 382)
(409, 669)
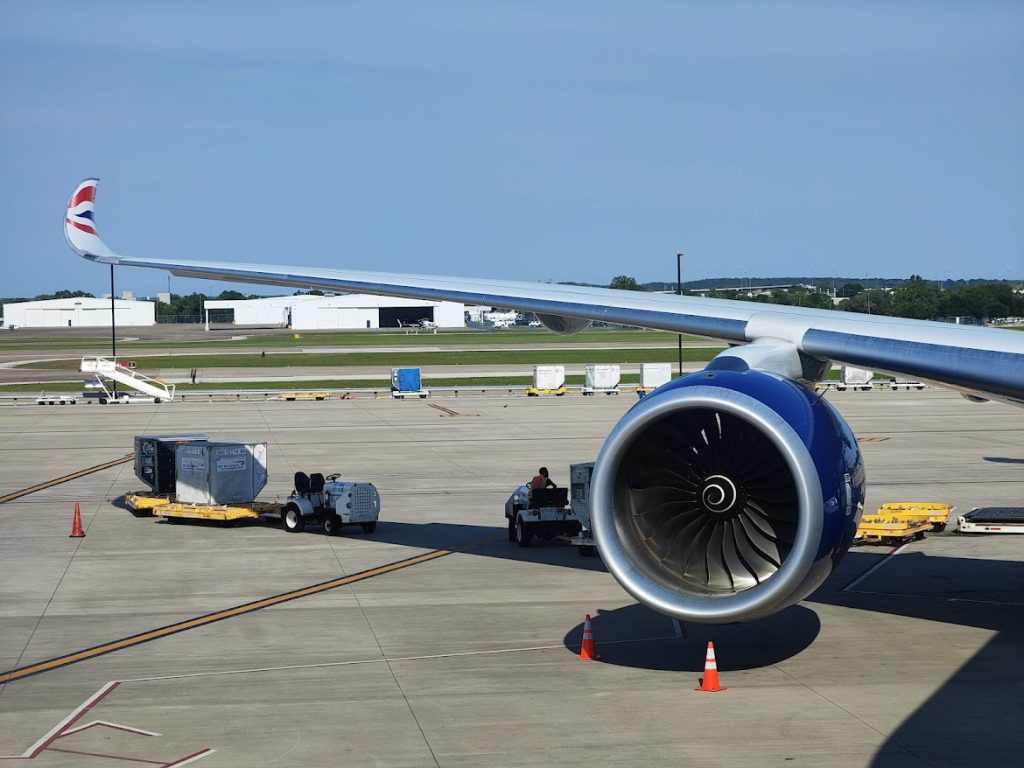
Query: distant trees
(63, 294)
(625, 283)
(231, 296)
(849, 290)
(920, 299)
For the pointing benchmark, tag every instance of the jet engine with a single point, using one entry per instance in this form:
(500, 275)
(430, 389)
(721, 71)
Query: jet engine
(726, 496)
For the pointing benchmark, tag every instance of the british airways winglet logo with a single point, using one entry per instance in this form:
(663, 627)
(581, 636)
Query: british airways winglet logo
(80, 209)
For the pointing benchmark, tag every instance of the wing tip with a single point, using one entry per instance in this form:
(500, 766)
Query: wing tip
(80, 224)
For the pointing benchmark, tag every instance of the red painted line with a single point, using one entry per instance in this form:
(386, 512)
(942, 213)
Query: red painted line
(109, 757)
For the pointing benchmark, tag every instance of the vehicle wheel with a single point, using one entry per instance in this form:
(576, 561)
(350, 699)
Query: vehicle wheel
(293, 520)
(103, 401)
(940, 527)
(587, 550)
(332, 525)
(369, 527)
(157, 400)
(523, 533)
(919, 535)
(511, 529)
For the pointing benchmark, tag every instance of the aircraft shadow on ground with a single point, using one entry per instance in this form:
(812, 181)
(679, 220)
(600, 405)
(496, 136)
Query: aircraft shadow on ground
(636, 636)
(979, 706)
(973, 718)
(1004, 460)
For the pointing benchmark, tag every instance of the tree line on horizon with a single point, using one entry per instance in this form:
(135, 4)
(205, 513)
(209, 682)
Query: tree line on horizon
(914, 298)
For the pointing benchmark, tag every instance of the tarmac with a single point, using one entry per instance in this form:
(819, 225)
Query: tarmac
(435, 641)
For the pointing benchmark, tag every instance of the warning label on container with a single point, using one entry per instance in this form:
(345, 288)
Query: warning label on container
(231, 465)
(193, 463)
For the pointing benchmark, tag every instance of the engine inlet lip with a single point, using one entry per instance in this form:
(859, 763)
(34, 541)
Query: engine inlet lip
(751, 603)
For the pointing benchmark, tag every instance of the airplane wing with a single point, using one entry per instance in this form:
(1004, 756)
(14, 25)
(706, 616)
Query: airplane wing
(726, 495)
(793, 341)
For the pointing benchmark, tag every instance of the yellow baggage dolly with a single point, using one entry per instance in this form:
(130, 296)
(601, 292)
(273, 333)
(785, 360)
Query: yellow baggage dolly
(290, 396)
(172, 511)
(887, 529)
(145, 501)
(534, 392)
(936, 515)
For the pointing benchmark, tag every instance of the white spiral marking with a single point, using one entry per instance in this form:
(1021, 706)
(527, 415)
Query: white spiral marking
(719, 494)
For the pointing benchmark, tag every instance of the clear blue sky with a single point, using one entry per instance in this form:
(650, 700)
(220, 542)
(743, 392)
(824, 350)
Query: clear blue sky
(535, 140)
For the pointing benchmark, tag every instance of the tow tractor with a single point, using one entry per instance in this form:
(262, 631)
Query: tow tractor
(548, 514)
(330, 502)
(59, 399)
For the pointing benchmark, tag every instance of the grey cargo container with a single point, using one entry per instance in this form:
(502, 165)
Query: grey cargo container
(154, 459)
(220, 473)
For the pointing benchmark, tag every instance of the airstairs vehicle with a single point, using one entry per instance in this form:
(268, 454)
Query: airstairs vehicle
(106, 370)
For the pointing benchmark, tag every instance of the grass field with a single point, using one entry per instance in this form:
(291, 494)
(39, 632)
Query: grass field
(391, 360)
(311, 386)
(379, 338)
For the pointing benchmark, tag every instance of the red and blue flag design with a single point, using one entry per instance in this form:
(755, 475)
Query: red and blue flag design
(80, 208)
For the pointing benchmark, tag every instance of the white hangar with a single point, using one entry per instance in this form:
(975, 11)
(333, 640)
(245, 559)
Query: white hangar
(80, 312)
(348, 311)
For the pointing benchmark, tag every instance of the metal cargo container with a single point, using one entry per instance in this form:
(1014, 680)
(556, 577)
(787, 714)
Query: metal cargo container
(602, 376)
(406, 379)
(220, 473)
(653, 375)
(154, 459)
(548, 376)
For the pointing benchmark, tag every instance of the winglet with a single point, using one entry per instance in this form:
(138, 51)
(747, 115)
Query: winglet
(80, 225)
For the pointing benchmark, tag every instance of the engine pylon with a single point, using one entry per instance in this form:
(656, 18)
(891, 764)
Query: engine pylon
(709, 683)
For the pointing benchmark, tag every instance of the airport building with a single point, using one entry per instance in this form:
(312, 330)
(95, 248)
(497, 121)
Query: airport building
(348, 311)
(79, 312)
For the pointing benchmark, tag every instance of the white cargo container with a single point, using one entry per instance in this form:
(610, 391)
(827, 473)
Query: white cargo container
(601, 378)
(854, 378)
(548, 377)
(219, 473)
(653, 375)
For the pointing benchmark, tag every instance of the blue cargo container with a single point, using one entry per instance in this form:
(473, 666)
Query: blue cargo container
(405, 379)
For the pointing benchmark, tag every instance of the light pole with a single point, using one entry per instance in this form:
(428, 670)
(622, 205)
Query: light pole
(113, 326)
(679, 292)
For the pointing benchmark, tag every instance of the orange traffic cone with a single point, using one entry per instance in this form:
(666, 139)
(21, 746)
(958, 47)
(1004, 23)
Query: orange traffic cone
(588, 651)
(709, 683)
(76, 525)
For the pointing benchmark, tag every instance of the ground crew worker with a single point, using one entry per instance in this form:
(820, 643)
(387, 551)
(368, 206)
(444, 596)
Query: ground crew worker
(541, 480)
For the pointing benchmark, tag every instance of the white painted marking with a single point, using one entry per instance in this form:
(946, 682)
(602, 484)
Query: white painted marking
(49, 736)
(849, 587)
(109, 724)
(380, 660)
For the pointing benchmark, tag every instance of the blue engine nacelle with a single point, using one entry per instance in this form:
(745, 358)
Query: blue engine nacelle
(726, 496)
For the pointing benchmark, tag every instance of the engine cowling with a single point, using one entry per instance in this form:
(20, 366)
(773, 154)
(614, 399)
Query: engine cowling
(726, 496)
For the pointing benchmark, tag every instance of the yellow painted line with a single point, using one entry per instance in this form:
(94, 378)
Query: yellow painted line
(238, 610)
(65, 479)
